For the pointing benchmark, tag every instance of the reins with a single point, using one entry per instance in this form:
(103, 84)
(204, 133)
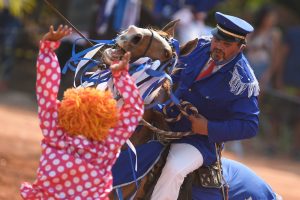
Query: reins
(149, 43)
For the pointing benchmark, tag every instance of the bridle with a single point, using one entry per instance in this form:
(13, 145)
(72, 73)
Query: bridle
(149, 43)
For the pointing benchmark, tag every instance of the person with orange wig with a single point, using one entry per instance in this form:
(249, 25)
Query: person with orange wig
(83, 133)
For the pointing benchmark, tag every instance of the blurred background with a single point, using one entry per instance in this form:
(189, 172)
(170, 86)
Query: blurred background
(271, 50)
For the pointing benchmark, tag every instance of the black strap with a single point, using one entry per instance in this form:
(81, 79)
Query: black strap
(149, 44)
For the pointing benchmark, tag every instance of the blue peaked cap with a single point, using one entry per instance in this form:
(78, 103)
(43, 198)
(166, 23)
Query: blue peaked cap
(231, 28)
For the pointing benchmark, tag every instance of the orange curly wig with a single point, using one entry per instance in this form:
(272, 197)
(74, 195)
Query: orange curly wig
(88, 112)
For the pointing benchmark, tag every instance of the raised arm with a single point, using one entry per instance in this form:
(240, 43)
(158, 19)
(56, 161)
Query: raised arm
(48, 77)
(133, 107)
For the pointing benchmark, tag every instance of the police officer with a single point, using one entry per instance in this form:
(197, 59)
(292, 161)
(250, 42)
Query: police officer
(216, 79)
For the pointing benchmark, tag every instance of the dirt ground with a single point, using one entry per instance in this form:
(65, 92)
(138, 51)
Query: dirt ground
(19, 152)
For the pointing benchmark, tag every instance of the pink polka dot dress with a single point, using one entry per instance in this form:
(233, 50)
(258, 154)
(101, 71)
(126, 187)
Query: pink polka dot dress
(75, 167)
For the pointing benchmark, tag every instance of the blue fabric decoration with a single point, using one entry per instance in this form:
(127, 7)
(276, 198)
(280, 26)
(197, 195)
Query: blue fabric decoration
(147, 156)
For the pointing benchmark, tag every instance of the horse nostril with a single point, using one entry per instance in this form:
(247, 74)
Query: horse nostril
(136, 39)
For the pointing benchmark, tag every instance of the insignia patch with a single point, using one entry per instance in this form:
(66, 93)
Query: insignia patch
(237, 86)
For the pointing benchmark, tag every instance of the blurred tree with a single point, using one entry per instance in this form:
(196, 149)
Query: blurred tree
(18, 7)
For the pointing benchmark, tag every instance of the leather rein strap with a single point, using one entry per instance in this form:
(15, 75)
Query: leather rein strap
(149, 43)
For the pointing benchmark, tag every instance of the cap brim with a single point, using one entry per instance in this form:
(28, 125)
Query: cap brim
(221, 36)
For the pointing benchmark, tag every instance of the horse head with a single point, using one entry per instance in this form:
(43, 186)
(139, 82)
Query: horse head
(143, 42)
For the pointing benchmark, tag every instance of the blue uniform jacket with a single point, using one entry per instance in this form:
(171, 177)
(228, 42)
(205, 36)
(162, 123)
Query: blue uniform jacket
(227, 98)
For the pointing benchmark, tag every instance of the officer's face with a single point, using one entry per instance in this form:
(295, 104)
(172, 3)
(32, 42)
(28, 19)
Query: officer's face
(222, 51)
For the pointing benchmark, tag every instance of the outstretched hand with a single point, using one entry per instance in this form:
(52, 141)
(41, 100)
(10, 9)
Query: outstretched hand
(61, 32)
(122, 64)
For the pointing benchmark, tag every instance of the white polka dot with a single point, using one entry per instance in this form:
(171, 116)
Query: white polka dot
(59, 132)
(76, 180)
(43, 81)
(45, 132)
(87, 155)
(62, 195)
(48, 105)
(118, 132)
(42, 68)
(61, 143)
(78, 161)
(67, 183)
(44, 162)
(84, 193)
(54, 114)
(47, 115)
(133, 119)
(64, 176)
(46, 184)
(58, 187)
(94, 173)
(120, 84)
(48, 85)
(77, 198)
(125, 95)
(126, 121)
(125, 114)
(69, 164)
(85, 142)
(48, 72)
(79, 188)
(42, 101)
(47, 59)
(71, 192)
(111, 155)
(55, 89)
(128, 88)
(131, 100)
(85, 177)
(135, 93)
(65, 157)
(60, 169)
(56, 162)
(76, 141)
(46, 123)
(52, 156)
(48, 168)
(81, 168)
(39, 89)
(112, 146)
(53, 64)
(51, 133)
(48, 150)
(54, 77)
(55, 180)
(72, 172)
(96, 181)
(88, 185)
(38, 76)
(52, 174)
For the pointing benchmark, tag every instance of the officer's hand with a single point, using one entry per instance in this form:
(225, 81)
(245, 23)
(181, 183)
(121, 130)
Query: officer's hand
(199, 124)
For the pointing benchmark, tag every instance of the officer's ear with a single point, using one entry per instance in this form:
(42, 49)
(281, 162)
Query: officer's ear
(242, 47)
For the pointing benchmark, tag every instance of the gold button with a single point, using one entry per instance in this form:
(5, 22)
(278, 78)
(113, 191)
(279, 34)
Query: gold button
(190, 90)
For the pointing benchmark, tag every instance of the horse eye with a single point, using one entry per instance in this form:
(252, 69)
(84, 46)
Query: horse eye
(136, 39)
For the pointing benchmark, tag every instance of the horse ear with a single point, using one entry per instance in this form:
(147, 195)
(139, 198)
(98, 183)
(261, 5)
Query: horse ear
(169, 28)
(188, 47)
